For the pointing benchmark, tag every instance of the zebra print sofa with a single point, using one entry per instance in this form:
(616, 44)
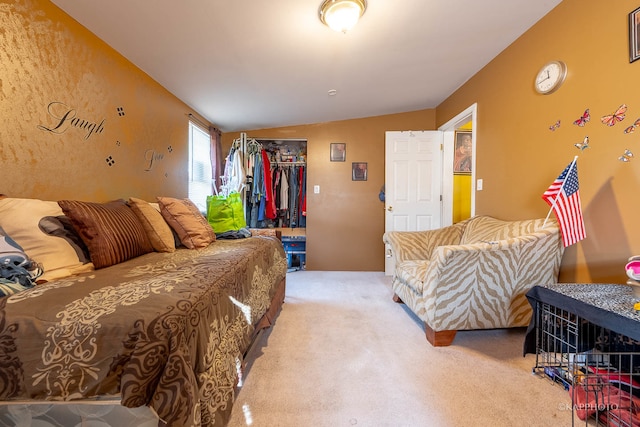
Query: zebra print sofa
(473, 274)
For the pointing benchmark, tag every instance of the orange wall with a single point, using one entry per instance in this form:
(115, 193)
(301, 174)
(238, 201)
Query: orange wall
(46, 57)
(518, 156)
(345, 222)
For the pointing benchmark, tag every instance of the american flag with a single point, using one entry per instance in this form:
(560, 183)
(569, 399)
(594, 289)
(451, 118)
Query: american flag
(564, 198)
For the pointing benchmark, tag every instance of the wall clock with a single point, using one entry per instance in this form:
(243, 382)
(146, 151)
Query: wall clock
(550, 77)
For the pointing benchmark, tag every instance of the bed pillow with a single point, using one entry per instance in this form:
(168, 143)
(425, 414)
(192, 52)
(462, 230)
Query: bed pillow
(176, 240)
(60, 226)
(111, 231)
(20, 218)
(155, 226)
(188, 222)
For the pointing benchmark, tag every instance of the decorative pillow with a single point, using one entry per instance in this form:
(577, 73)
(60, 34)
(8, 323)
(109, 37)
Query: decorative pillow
(60, 226)
(156, 227)
(111, 231)
(187, 221)
(176, 239)
(20, 218)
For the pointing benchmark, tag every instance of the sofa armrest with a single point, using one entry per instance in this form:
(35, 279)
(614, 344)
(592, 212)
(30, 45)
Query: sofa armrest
(419, 245)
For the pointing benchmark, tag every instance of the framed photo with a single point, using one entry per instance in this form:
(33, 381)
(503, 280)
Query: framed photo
(358, 171)
(338, 151)
(462, 160)
(634, 29)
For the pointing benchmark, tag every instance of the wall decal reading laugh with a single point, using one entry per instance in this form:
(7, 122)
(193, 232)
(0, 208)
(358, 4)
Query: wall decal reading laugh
(66, 117)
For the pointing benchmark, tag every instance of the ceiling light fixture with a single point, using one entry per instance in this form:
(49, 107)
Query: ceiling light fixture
(341, 15)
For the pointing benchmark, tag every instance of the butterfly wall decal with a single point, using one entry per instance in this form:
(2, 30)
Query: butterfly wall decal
(618, 116)
(584, 119)
(554, 126)
(582, 145)
(633, 126)
(626, 156)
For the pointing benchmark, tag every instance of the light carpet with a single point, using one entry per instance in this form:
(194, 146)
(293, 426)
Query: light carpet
(342, 353)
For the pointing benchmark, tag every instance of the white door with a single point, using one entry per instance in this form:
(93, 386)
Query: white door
(413, 183)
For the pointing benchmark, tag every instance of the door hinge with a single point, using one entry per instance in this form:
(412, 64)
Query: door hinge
(441, 197)
(441, 147)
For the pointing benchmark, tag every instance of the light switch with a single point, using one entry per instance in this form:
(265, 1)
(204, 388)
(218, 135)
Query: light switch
(479, 185)
(316, 189)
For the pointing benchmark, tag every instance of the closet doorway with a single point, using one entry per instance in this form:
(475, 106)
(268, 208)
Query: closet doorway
(288, 161)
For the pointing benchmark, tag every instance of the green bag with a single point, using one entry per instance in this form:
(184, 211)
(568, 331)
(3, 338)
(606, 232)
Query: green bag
(225, 213)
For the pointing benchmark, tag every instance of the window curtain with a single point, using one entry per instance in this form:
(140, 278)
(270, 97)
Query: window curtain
(216, 158)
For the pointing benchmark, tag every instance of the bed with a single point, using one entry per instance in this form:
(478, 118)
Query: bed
(163, 331)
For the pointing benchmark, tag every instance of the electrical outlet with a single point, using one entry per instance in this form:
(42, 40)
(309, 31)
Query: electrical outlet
(479, 185)
(316, 189)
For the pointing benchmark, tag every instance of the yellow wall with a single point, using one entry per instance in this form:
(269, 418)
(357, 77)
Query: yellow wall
(461, 197)
(462, 187)
(53, 70)
(518, 156)
(345, 222)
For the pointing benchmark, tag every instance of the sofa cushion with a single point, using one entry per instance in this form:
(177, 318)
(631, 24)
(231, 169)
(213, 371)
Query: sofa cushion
(188, 222)
(157, 229)
(487, 229)
(21, 218)
(111, 231)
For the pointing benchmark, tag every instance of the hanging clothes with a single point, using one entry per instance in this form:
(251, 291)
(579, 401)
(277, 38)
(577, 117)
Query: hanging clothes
(302, 219)
(234, 178)
(274, 182)
(277, 172)
(253, 197)
(270, 205)
(293, 197)
(284, 190)
(238, 177)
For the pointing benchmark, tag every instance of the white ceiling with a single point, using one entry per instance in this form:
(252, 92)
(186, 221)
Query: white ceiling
(251, 64)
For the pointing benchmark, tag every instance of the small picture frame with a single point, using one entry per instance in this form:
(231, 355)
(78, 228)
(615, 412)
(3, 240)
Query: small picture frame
(462, 154)
(358, 171)
(338, 152)
(634, 30)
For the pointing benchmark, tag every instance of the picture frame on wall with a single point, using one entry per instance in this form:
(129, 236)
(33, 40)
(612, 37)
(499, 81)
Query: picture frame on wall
(338, 152)
(359, 171)
(462, 156)
(634, 40)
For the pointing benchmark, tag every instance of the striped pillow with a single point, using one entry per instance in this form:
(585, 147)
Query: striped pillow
(112, 231)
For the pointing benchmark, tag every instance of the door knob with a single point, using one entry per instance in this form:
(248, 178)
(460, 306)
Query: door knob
(390, 208)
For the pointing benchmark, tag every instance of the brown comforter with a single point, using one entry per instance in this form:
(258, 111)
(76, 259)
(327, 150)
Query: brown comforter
(164, 330)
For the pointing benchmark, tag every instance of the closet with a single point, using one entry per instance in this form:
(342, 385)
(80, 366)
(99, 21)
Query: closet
(271, 175)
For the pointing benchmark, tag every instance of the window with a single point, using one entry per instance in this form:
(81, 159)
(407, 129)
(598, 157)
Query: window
(199, 166)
